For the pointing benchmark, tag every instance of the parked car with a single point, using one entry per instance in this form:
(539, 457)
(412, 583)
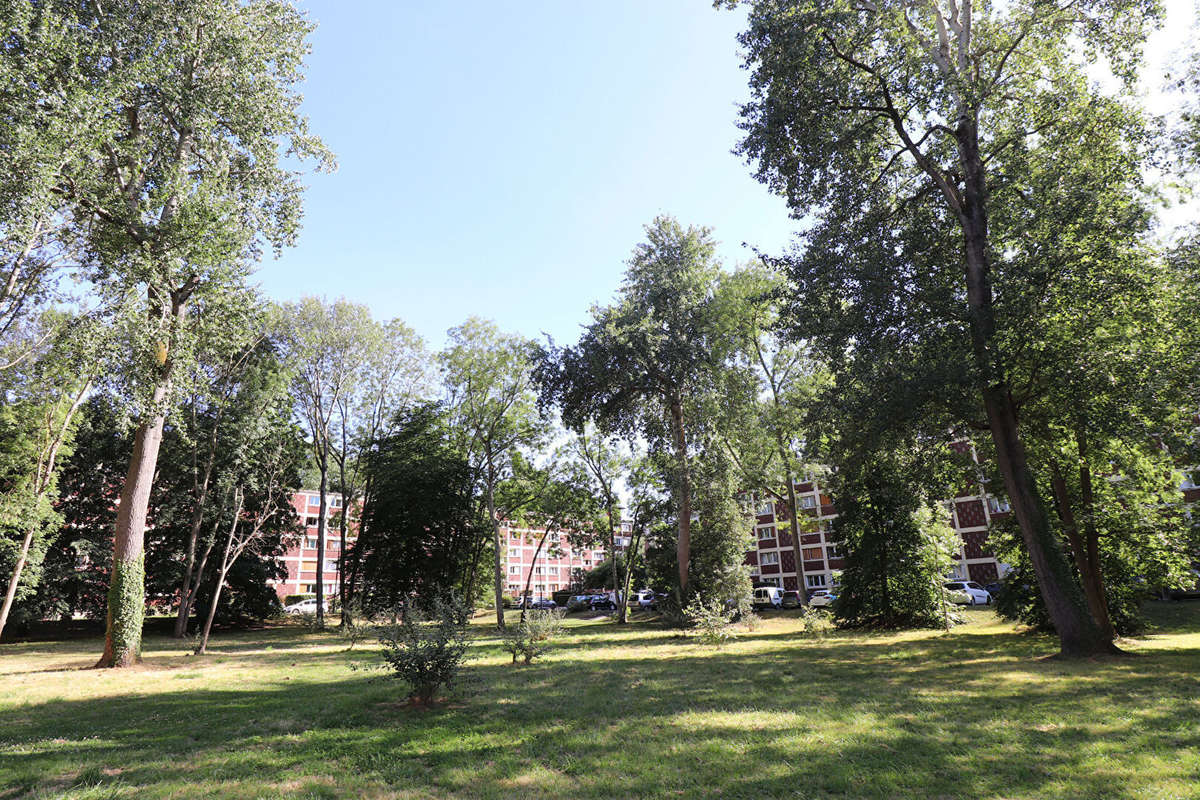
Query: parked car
(602, 602)
(767, 597)
(791, 599)
(821, 598)
(994, 588)
(579, 602)
(968, 593)
(642, 599)
(543, 602)
(308, 606)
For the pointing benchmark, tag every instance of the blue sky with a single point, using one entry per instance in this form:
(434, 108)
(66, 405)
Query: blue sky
(500, 159)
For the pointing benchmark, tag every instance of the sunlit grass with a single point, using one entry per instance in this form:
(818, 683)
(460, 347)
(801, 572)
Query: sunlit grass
(639, 712)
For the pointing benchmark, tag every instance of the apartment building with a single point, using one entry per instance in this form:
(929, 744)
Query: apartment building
(773, 560)
(301, 558)
(556, 567)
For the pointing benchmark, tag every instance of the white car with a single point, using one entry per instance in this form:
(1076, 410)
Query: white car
(821, 598)
(968, 593)
(768, 597)
(642, 599)
(308, 606)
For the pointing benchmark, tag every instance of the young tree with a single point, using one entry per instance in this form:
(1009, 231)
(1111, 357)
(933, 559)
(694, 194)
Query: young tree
(265, 476)
(885, 114)
(773, 383)
(896, 535)
(604, 465)
(326, 345)
(642, 361)
(36, 420)
(180, 183)
(494, 411)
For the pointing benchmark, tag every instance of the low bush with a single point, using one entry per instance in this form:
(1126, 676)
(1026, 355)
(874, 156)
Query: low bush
(711, 620)
(817, 622)
(426, 650)
(531, 637)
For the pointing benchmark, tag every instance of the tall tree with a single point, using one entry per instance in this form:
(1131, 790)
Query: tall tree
(393, 374)
(180, 183)
(492, 406)
(877, 114)
(326, 344)
(642, 361)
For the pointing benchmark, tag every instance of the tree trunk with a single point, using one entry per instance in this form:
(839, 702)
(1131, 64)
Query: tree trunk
(324, 465)
(1093, 579)
(684, 499)
(1078, 633)
(634, 542)
(497, 562)
(15, 579)
(186, 591)
(529, 578)
(1092, 593)
(127, 587)
(212, 610)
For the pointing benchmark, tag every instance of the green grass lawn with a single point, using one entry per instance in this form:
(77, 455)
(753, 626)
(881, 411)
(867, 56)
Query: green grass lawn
(638, 712)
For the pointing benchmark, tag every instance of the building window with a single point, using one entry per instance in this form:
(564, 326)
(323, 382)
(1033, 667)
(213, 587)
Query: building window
(514, 552)
(770, 581)
(331, 565)
(310, 522)
(997, 505)
(515, 569)
(835, 551)
(540, 571)
(812, 554)
(314, 501)
(768, 558)
(766, 532)
(808, 501)
(815, 581)
(336, 502)
(766, 507)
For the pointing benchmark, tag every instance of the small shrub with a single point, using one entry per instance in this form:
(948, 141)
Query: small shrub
(426, 650)
(355, 630)
(750, 621)
(531, 637)
(817, 622)
(711, 619)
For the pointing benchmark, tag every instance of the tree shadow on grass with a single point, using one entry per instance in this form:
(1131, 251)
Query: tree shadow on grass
(970, 714)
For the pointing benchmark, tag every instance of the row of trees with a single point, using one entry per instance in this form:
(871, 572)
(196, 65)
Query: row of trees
(979, 261)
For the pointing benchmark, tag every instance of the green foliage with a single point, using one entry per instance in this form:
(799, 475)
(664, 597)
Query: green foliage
(817, 622)
(426, 650)
(712, 619)
(531, 637)
(898, 542)
(420, 522)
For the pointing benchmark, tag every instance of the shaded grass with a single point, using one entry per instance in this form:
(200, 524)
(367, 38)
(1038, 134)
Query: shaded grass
(638, 712)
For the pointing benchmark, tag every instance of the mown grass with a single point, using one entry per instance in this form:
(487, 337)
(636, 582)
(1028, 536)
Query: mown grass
(616, 713)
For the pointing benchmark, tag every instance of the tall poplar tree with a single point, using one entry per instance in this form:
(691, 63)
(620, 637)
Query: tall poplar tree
(181, 182)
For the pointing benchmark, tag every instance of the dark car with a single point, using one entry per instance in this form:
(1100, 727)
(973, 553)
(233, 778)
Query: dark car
(994, 588)
(602, 602)
(791, 599)
(543, 603)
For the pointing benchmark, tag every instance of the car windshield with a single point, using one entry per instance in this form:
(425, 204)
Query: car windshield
(954, 586)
